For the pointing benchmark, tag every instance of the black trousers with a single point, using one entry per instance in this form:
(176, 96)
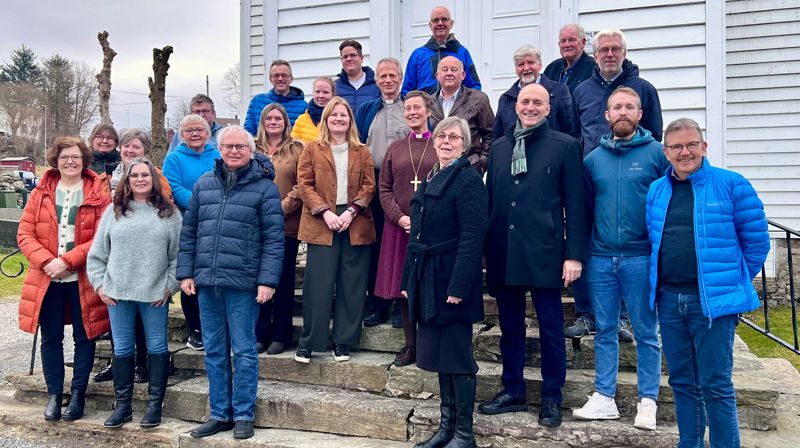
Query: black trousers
(60, 298)
(376, 304)
(275, 317)
(191, 310)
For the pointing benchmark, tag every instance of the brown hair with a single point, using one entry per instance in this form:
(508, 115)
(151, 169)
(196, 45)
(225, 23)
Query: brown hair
(324, 133)
(351, 43)
(123, 195)
(329, 81)
(65, 142)
(626, 90)
(103, 127)
(426, 98)
(287, 143)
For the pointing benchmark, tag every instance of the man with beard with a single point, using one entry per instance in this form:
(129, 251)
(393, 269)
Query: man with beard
(617, 176)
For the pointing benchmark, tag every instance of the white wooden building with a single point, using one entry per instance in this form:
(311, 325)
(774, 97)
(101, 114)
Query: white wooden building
(733, 66)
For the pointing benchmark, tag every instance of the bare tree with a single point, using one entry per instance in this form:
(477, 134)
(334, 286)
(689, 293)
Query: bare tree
(21, 102)
(104, 77)
(84, 98)
(180, 110)
(231, 85)
(158, 86)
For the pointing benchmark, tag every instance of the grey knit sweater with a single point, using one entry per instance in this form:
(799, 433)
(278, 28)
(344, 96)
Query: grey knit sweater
(134, 257)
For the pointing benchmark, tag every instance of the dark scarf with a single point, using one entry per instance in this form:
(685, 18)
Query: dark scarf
(315, 112)
(231, 177)
(105, 162)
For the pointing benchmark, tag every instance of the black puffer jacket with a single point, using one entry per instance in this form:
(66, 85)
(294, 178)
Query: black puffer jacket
(449, 219)
(233, 238)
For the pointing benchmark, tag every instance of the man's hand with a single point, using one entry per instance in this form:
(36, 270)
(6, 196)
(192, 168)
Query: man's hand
(264, 294)
(571, 271)
(187, 286)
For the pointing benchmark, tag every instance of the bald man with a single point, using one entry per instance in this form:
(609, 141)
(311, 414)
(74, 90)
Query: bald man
(535, 243)
(419, 69)
(457, 100)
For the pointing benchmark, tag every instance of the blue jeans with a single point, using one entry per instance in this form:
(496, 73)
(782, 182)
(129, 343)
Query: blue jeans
(229, 322)
(123, 327)
(700, 359)
(612, 280)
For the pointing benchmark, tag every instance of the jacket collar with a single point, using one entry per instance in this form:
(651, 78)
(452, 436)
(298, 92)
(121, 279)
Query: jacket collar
(538, 132)
(260, 166)
(439, 184)
(451, 44)
(294, 94)
(92, 191)
(699, 177)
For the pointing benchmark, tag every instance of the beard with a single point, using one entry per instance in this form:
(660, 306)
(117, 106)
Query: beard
(623, 127)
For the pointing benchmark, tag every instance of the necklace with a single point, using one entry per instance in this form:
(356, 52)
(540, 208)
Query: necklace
(416, 180)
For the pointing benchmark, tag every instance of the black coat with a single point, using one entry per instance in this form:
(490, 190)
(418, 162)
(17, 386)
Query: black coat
(536, 219)
(448, 228)
(561, 117)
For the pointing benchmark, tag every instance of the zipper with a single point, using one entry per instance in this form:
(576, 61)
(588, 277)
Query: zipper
(619, 204)
(216, 235)
(701, 284)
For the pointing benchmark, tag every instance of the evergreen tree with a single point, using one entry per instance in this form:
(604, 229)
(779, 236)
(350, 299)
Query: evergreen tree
(22, 68)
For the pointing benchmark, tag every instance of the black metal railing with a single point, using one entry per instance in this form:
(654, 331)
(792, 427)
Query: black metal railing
(789, 236)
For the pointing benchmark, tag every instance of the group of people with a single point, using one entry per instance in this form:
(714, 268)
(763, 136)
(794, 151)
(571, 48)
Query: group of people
(381, 175)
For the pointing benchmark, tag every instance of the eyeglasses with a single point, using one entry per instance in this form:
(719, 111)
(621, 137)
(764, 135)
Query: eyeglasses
(441, 20)
(350, 56)
(449, 137)
(68, 158)
(614, 50)
(104, 137)
(280, 76)
(691, 146)
(202, 111)
(198, 131)
(240, 148)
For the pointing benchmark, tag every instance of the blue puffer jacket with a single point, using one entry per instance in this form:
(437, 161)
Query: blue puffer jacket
(422, 64)
(233, 239)
(561, 118)
(591, 96)
(617, 176)
(355, 98)
(731, 239)
(294, 103)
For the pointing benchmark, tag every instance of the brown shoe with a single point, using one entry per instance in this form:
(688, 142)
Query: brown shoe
(407, 355)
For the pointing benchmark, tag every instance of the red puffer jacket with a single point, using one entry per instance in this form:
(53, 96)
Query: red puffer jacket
(37, 238)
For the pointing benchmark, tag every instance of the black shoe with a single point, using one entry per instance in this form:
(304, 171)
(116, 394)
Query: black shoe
(550, 414)
(406, 356)
(156, 389)
(53, 409)
(261, 347)
(375, 319)
(210, 428)
(625, 333)
(123, 392)
(195, 341)
(104, 374)
(341, 352)
(583, 325)
(276, 348)
(243, 429)
(463, 436)
(447, 422)
(303, 355)
(502, 403)
(397, 319)
(140, 375)
(77, 401)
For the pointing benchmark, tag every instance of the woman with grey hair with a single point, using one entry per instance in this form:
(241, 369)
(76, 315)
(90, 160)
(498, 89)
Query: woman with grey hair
(231, 254)
(183, 167)
(442, 277)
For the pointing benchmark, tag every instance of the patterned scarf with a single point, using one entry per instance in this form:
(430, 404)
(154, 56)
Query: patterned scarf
(519, 163)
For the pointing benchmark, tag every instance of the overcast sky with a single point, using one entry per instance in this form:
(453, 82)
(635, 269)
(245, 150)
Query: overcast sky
(203, 33)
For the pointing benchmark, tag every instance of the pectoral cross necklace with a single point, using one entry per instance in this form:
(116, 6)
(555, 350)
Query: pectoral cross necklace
(415, 183)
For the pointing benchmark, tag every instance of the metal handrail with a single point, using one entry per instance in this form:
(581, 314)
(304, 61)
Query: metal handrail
(795, 346)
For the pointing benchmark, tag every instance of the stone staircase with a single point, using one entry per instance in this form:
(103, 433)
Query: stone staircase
(367, 402)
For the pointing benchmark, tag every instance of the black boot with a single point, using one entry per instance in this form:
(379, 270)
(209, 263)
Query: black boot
(464, 385)
(159, 373)
(447, 422)
(123, 392)
(53, 409)
(74, 410)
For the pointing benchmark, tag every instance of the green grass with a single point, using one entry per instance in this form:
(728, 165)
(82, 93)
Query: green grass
(10, 288)
(780, 324)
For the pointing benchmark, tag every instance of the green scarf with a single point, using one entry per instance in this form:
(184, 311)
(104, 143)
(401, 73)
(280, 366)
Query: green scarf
(519, 164)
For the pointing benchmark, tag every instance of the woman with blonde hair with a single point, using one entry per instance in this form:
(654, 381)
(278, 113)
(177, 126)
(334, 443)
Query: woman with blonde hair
(306, 127)
(337, 181)
(274, 325)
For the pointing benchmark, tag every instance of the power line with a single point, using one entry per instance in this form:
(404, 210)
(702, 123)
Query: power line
(147, 94)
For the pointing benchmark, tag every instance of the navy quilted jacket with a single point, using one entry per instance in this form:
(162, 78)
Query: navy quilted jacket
(233, 239)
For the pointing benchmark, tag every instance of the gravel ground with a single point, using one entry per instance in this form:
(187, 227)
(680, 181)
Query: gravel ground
(16, 347)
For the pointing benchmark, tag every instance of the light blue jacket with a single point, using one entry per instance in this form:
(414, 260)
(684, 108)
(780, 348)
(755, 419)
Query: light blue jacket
(730, 235)
(183, 167)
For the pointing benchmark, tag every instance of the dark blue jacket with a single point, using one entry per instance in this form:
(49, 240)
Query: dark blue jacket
(590, 98)
(294, 103)
(233, 239)
(731, 238)
(422, 64)
(365, 115)
(368, 91)
(579, 72)
(561, 117)
(617, 176)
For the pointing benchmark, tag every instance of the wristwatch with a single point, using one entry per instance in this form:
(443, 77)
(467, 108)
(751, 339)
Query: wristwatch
(352, 211)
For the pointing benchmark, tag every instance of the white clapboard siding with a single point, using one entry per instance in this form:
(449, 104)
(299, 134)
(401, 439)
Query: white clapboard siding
(666, 39)
(763, 95)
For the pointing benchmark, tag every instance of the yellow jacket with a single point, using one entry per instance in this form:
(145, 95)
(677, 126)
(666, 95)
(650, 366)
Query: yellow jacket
(304, 129)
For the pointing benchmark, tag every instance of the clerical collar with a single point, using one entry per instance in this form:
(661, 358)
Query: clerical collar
(389, 101)
(424, 135)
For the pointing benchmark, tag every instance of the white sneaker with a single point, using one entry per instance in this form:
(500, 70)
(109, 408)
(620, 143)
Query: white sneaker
(599, 407)
(646, 415)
